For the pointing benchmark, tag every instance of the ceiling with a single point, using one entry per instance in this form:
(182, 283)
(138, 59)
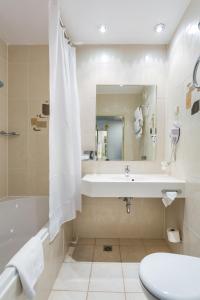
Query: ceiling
(128, 21)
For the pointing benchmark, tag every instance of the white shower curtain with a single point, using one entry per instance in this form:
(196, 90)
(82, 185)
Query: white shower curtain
(64, 128)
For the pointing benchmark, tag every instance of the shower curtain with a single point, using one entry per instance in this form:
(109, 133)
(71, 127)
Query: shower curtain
(64, 127)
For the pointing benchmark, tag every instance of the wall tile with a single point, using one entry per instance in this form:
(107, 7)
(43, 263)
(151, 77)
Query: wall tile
(183, 52)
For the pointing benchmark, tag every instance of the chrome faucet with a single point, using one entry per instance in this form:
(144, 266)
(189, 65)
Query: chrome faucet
(127, 170)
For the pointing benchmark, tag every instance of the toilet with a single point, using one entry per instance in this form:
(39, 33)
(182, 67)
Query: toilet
(166, 276)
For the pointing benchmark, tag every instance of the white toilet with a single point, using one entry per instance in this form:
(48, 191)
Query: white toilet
(167, 276)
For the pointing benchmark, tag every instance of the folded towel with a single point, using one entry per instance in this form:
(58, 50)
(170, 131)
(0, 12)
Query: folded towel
(29, 263)
(168, 198)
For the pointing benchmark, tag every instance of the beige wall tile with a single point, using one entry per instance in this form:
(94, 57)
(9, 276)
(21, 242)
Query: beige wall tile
(38, 181)
(28, 89)
(107, 218)
(17, 182)
(183, 52)
(3, 120)
(18, 54)
(3, 49)
(18, 81)
(39, 81)
(39, 53)
(18, 116)
(17, 152)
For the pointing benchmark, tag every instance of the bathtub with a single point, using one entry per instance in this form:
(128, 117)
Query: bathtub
(20, 219)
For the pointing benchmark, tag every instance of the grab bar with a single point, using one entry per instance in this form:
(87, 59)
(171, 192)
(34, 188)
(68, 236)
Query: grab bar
(195, 83)
(13, 133)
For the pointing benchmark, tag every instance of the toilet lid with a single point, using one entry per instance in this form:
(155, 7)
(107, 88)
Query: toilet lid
(171, 276)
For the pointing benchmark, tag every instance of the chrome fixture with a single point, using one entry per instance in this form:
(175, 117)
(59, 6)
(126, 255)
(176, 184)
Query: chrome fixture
(12, 133)
(166, 191)
(1, 84)
(195, 83)
(128, 203)
(67, 37)
(127, 171)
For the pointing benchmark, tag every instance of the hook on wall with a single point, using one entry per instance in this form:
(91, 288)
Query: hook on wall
(1, 84)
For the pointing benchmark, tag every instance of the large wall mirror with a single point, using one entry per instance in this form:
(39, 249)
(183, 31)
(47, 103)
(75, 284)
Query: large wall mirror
(126, 122)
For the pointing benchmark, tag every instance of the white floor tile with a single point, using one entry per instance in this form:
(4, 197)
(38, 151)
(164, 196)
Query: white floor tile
(73, 277)
(68, 257)
(105, 296)
(67, 295)
(131, 278)
(106, 277)
(136, 296)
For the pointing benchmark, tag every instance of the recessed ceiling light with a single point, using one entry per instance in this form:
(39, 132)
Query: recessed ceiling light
(159, 28)
(102, 28)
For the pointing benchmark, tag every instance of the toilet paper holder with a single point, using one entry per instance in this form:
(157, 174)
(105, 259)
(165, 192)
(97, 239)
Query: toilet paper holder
(164, 191)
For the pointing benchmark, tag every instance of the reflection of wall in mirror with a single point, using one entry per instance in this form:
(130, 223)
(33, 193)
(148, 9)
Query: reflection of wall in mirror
(112, 149)
(122, 105)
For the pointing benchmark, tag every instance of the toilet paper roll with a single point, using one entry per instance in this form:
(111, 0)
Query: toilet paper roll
(173, 235)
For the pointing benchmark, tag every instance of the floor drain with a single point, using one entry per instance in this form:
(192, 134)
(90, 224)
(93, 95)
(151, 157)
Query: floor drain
(107, 248)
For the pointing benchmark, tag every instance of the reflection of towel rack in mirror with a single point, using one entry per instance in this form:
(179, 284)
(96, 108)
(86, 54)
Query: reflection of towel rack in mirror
(13, 133)
(195, 83)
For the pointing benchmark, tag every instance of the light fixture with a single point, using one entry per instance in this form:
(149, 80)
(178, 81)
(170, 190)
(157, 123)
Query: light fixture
(102, 28)
(159, 27)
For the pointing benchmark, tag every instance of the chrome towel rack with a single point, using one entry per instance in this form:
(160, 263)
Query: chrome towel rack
(12, 133)
(195, 83)
(166, 190)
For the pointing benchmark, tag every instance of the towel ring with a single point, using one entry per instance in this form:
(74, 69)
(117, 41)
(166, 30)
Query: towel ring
(195, 83)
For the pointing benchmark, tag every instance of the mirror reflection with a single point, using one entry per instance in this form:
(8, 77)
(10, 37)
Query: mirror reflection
(126, 122)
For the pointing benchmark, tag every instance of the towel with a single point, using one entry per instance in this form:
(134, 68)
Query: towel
(139, 115)
(137, 126)
(168, 198)
(29, 263)
(138, 122)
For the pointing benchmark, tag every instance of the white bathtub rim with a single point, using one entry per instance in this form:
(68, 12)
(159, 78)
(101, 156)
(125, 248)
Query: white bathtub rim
(9, 275)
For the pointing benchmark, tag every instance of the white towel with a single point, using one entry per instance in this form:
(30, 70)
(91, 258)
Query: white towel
(137, 126)
(168, 198)
(139, 115)
(29, 262)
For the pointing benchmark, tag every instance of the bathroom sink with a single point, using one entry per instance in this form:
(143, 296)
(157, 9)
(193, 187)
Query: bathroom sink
(134, 185)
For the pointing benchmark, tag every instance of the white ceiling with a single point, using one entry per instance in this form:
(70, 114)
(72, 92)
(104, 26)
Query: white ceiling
(128, 21)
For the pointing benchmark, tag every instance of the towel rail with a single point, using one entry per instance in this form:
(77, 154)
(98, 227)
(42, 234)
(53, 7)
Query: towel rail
(168, 190)
(12, 133)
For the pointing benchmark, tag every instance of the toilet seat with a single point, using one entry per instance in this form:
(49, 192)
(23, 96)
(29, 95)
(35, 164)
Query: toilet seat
(171, 276)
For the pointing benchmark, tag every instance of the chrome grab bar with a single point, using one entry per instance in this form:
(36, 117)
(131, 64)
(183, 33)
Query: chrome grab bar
(195, 83)
(12, 133)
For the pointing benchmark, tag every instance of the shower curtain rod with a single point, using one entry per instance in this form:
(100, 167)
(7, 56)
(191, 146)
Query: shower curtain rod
(65, 33)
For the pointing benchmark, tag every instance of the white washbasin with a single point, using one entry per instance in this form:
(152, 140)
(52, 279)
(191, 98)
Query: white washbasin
(135, 185)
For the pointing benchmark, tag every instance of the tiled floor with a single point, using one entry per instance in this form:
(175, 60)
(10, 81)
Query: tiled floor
(123, 250)
(97, 281)
(92, 274)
